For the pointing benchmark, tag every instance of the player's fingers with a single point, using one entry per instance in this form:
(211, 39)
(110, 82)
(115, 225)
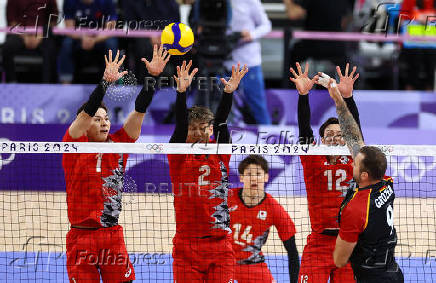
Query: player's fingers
(105, 59)
(353, 71)
(292, 79)
(123, 74)
(315, 79)
(118, 56)
(233, 71)
(356, 77)
(188, 67)
(161, 50)
(346, 69)
(168, 56)
(121, 61)
(339, 71)
(299, 69)
(154, 50)
(193, 73)
(224, 81)
(246, 69)
(293, 72)
(183, 66)
(110, 56)
(178, 71)
(306, 69)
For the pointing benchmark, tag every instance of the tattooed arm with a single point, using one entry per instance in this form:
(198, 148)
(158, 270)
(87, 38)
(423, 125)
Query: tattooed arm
(349, 127)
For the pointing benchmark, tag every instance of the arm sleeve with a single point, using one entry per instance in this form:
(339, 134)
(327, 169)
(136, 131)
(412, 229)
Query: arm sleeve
(220, 129)
(351, 104)
(306, 132)
(96, 98)
(144, 98)
(181, 131)
(262, 23)
(293, 259)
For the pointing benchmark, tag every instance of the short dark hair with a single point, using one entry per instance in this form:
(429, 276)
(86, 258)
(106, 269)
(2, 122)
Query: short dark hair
(102, 105)
(374, 162)
(253, 159)
(330, 121)
(200, 114)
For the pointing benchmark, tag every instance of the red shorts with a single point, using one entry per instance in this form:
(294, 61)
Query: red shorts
(253, 273)
(317, 264)
(94, 252)
(209, 260)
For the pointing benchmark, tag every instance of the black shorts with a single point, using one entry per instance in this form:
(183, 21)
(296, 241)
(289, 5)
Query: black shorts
(382, 277)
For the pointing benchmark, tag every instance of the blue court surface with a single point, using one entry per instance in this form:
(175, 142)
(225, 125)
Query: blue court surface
(50, 267)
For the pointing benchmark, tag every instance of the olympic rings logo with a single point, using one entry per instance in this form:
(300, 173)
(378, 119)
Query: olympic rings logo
(155, 147)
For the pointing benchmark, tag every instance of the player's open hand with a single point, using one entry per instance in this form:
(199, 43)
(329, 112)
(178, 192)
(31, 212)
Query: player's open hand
(346, 82)
(184, 78)
(111, 73)
(237, 74)
(301, 80)
(158, 62)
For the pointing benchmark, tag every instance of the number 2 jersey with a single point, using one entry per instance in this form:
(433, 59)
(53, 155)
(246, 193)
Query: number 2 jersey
(366, 217)
(251, 226)
(200, 186)
(94, 183)
(325, 187)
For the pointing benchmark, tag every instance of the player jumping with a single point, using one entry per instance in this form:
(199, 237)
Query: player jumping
(202, 245)
(326, 179)
(94, 182)
(252, 213)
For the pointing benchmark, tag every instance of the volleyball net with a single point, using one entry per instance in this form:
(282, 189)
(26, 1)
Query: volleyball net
(34, 220)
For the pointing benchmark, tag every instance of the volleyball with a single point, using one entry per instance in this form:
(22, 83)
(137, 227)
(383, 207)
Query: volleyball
(177, 38)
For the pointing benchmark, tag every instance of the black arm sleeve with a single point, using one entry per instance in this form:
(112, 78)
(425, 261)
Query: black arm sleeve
(293, 259)
(144, 98)
(181, 131)
(306, 132)
(96, 98)
(220, 129)
(351, 104)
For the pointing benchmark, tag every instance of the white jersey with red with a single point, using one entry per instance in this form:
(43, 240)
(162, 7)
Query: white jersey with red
(251, 226)
(200, 187)
(326, 185)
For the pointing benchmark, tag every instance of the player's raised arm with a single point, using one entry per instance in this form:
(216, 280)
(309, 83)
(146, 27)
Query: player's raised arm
(346, 87)
(303, 84)
(111, 74)
(133, 124)
(220, 129)
(183, 81)
(350, 129)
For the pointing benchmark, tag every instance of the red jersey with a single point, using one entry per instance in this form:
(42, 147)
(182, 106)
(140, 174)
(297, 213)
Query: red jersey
(326, 185)
(200, 186)
(251, 226)
(94, 183)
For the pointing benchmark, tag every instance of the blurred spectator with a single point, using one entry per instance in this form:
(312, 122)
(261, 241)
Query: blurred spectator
(28, 13)
(249, 18)
(323, 16)
(420, 62)
(150, 15)
(86, 14)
